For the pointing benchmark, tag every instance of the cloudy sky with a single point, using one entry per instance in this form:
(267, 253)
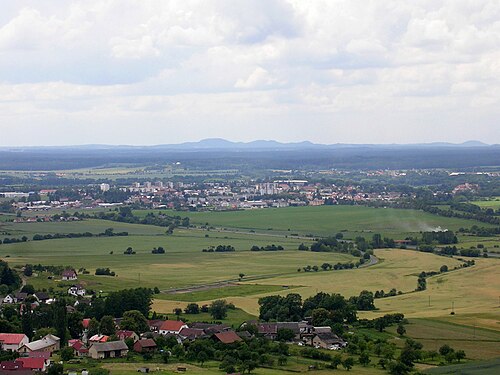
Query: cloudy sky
(328, 71)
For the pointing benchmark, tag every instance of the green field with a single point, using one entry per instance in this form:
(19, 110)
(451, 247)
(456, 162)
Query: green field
(493, 202)
(328, 220)
(186, 274)
(475, 368)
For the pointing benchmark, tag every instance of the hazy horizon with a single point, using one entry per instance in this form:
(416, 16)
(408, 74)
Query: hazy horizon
(166, 72)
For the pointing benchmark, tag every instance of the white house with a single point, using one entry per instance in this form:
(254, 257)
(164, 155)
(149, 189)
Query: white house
(13, 341)
(8, 299)
(172, 326)
(77, 290)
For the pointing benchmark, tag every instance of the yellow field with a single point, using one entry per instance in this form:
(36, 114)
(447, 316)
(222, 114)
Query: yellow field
(474, 291)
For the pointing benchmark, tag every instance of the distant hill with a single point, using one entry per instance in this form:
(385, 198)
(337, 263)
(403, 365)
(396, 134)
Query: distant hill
(270, 145)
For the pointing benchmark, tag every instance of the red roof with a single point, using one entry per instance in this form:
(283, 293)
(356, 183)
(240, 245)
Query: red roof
(12, 338)
(172, 325)
(227, 337)
(32, 363)
(85, 322)
(124, 334)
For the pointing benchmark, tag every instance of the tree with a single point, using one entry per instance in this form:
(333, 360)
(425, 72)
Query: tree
(55, 369)
(93, 327)
(192, 308)
(107, 325)
(282, 360)
(450, 357)
(285, 334)
(28, 288)
(201, 357)
(459, 354)
(133, 320)
(67, 353)
(365, 301)
(27, 323)
(75, 325)
(28, 270)
(348, 363)
(165, 356)
(241, 275)
(380, 323)
(336, 361)
(177, 311)
(398, 368)
(60, 320)
(364, 359)
(401, 330)
(445, 349)
(218, 309)
(444, 268)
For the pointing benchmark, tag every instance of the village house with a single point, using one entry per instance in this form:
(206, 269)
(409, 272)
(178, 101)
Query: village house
(34, 364)
(113, 349)
(145, 346)
(8, 299)
(172, 326)
(124, 334)
(98, 338)
(48, 343)
(79, 348)
(42, 297)
(191, 334)
(227, 337)
(69, 275)
(77, 290)
(13, 367)
(12, 341)
(327, 340)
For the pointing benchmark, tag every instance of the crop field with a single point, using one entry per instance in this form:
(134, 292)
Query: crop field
(186, 274)
(493, 202)
(328, 220)
(478, 343)
(184, 263)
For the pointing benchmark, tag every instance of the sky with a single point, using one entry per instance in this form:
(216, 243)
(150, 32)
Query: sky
(148, 72)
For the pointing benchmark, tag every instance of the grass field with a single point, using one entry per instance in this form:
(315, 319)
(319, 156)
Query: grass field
(328, 220)
(493, 202)
(475, 368)
(478, 343)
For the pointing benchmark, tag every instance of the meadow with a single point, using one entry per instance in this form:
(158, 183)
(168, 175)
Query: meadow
(328, 220)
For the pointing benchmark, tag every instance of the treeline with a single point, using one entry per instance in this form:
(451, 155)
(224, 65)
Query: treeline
(8, 240)
(334, 267)
(125, 215)
(219, 249)
(272, 247)
(422, 277)
(109, 232)
(481, 231)
(9, 279)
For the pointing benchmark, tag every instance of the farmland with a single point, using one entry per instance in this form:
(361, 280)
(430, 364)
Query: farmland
(327, 220)
(186, 274)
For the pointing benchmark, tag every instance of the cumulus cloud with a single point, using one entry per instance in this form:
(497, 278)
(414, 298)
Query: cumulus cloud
(325, 70)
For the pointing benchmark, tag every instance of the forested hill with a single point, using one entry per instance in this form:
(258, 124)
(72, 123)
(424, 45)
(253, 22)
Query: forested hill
(313, 158)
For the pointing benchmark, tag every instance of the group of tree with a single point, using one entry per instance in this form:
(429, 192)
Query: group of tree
(125, 215)
(272, 247)
(219, 249)
(104, 272)
(129, 251)
(158, 250)
(381, 294)
(326, 309)
(10, 240)
(9, 279)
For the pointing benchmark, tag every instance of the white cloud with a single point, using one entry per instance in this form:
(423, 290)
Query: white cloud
(343, 63)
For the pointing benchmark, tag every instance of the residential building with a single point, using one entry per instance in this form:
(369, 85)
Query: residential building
(113, 349)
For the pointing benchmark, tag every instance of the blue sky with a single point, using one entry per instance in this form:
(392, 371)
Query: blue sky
(151, 72)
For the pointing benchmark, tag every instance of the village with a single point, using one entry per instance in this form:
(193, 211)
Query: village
(38, 354)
